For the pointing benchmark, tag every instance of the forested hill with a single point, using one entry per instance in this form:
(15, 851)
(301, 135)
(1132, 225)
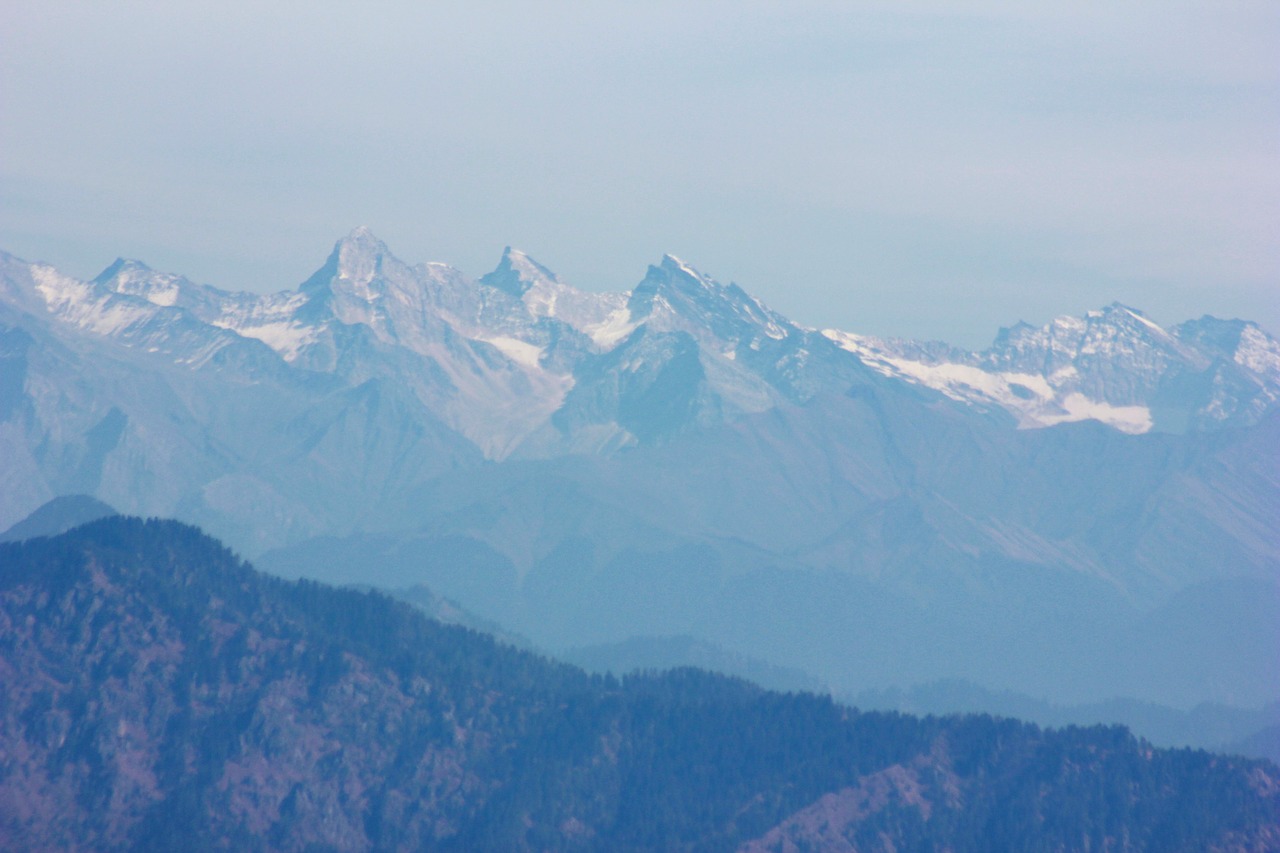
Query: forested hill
(158, 693)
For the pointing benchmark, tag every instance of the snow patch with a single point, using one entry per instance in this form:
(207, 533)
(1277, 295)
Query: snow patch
(1077, 407)
(960, 381)
(60, 291)
(614, 328)
(285, 337)
(520, 352)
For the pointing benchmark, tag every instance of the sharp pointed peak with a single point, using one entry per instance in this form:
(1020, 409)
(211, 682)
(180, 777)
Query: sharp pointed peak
(1119, 312)
(519, 257)
(362, 238)
(1114, 309)
(359, 256)
(1118, 307)
(672, 265)
(119, 266)
(517, 272)
(672, 262)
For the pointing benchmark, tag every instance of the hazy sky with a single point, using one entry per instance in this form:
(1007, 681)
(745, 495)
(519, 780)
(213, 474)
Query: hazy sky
(909, 168)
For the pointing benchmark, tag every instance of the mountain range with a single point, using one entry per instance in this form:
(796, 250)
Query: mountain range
(1082, 511)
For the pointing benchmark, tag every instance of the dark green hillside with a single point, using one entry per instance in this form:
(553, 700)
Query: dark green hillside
(158, 693)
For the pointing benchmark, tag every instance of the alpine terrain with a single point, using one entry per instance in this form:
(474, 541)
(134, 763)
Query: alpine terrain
(1083, 511)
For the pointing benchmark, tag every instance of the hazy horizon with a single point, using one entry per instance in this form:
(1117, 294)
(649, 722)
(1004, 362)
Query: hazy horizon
(893, 169)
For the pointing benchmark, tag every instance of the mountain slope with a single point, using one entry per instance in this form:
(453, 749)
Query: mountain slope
(160, 693)
(860, 524)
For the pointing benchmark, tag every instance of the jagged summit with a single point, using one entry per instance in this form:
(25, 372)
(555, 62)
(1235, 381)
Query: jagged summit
(121, 267)
(1114, 308)
(356, 260)
(360, 255)
(1115, 331)
(676, 289)
(1112, 364)
(362, 232)
(674, 278)
(677, 270)
(134, 278)
(1222, 335)
(1119, 314)
(516, 273)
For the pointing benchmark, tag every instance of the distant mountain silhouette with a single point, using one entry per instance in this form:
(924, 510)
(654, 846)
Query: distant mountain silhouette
(58, 516)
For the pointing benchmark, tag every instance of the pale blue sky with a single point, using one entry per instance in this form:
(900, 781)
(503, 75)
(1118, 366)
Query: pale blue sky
(909, 168)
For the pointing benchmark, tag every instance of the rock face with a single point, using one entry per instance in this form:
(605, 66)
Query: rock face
(161, 694)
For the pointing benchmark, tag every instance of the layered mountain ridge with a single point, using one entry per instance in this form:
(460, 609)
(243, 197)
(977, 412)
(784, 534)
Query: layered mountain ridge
(513, 344)
(161, 694)
(682, 460)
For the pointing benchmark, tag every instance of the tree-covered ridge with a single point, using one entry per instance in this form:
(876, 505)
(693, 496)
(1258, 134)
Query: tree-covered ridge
(158, 693)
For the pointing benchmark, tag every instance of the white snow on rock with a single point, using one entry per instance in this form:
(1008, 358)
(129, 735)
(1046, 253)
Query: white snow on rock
(286, 337)
(1035, 400)
(614, 328)
(1258, 352)
(1077, 407)
(81, 304)
(158, 289)
(518, 351)
(269, 318)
